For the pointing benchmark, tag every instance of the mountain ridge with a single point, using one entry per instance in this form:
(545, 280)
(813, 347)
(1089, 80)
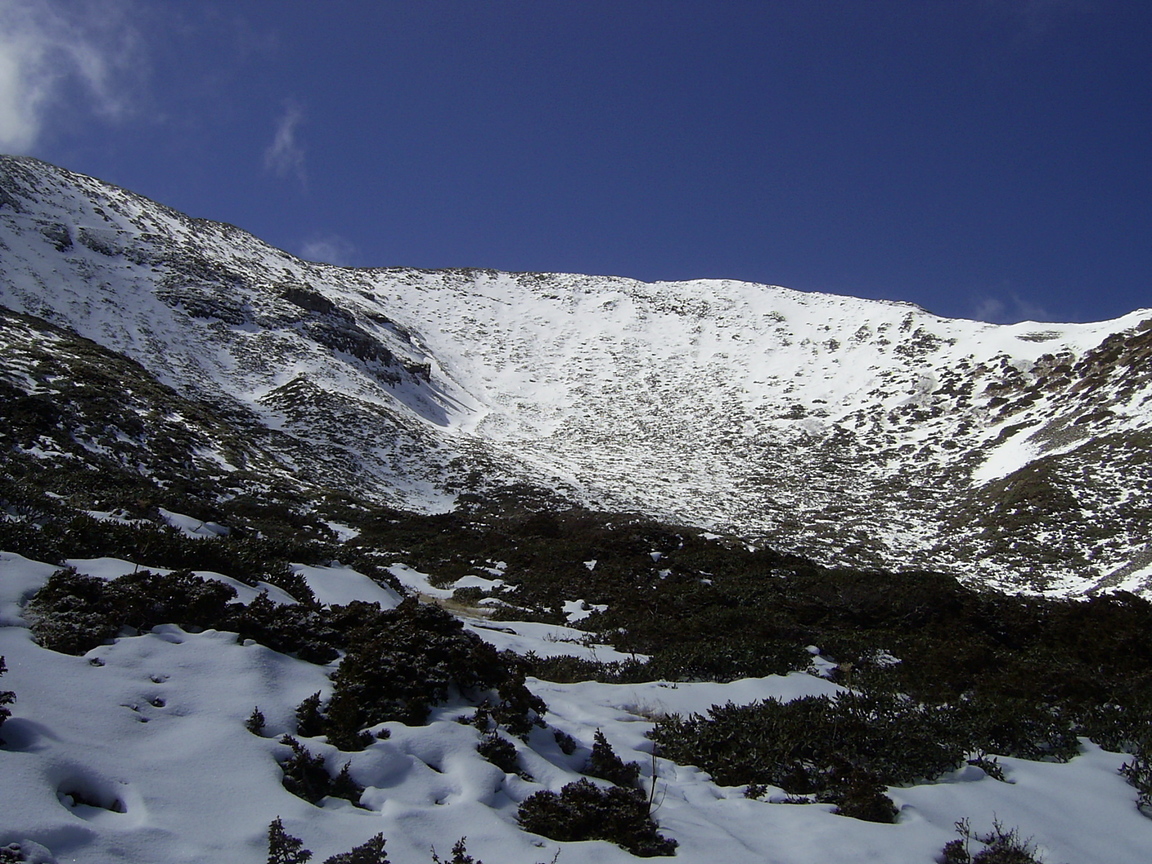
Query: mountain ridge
(870, 433)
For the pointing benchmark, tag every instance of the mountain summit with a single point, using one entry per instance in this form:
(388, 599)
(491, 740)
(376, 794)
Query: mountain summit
(853, 431)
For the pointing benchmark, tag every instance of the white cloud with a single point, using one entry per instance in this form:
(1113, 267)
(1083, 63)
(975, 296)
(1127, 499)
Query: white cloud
(285, 155)
(1008, 310)
(329, 249)
(60, 56)
(1041, 17)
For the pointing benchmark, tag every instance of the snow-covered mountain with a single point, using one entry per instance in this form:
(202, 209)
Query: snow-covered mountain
(854, 431)
(196, 429)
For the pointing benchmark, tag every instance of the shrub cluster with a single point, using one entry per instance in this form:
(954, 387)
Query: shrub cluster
(306, 776)
(283, 848)
(500, 752)
(1138, 772)
(1001, 846)
(397, 664)
(841, 750)
(605, 764)
(401, 662)
(846, 749)
(73, 613)
(584, 811)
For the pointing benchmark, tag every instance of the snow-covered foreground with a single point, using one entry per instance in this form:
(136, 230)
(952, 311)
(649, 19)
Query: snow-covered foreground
(138, 752)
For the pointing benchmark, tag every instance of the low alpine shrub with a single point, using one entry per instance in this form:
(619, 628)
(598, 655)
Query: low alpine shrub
(858, 794)
(255, 722)
(584, 811)
(1001, 846)
(370, 852)
(309, 723)
(499, 752)
(73, 613)
(306, 776)
(1137, 771)
(283, 848)
(398, 663)
(459, 855)
(408, 659)
(815, 744)
(605, 764)
(7, 697)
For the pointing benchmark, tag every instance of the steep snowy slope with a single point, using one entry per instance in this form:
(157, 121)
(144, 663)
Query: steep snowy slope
(852, 430)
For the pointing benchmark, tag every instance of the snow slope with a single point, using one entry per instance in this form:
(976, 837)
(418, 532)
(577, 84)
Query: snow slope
(158, 767)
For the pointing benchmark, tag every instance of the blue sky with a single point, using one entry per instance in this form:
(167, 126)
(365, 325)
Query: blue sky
(983, 158)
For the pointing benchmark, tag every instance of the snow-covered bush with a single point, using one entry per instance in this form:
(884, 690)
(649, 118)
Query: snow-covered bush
(566, 669)
(71, 613)
(858, 793)
(291, 628)
(1014, 727)
(584, 811)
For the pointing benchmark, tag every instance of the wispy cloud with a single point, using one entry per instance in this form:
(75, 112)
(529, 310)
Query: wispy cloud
(1008, 309)
(1033, 21)
(328, 249)
(285, 155)
(64, 56)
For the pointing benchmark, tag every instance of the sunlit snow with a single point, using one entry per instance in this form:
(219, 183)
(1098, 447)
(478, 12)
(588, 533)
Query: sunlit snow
(158, 768)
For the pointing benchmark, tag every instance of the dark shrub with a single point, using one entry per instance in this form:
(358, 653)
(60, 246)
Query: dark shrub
(499, 752)
(293, 628)
(459, 855)
(584, 811)
(858, 794)
(410, 658)
(1137, 771)
(1000, 847)
(564, 741)
(71, 613)
(145, 599)
(255, 722)
(7, 697)
(815, 744)
(343, 786)
(605, 764)
(371, 852)
(309, 723)
(306, 776)
(283, 848)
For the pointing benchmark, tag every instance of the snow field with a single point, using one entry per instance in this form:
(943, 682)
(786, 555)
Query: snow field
(138, 752)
